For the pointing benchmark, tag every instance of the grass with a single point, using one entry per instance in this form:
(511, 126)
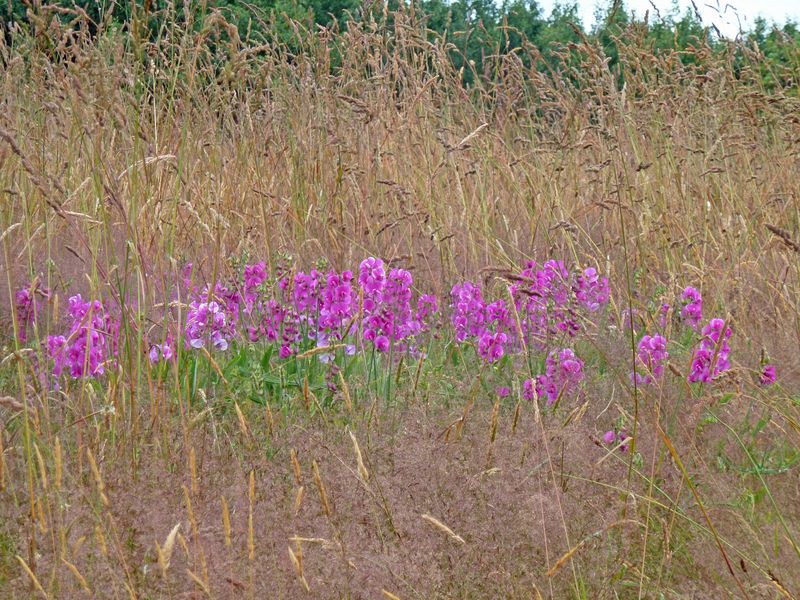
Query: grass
(241, 475)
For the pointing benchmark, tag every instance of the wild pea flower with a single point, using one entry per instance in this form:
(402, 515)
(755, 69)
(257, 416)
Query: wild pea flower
(269, 326)
(371, 278)
(563, 374)
(207, 321)
(306, 295)
(491, 346)
(468, 316)
(621, 437)
(503, 391)
(651, 359)
(186, 275)
(768, 375)
(27, 307)
(254, 276)
(692, 311)
(91, 341)
(554, 282)
(711, 357)
(663, 312)
(591, 290)
(162, 351)
(396, 299)
(529, 389)
(427, 311)
(339, 304)
(546, 300)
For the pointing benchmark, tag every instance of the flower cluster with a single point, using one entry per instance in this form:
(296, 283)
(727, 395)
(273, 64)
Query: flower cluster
(388, 319)
(546, 301)
(27, 308)
(711, 357)
(91, 342)
(254, 277)
(332, 310)
(563, 374)
(692, 311)
(163, 351)
(212, 319)
(620, 437)
(651, 358)
(591, 290)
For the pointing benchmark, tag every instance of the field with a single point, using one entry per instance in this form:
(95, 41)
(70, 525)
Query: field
(341, 322)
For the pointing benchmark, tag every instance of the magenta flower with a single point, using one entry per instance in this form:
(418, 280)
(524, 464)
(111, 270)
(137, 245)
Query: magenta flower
(503, 391)
(610, 437)
(160, 352)
(692, 311)
(254, 277)
(90, 344)
(711, 357)
(382, 343)
(27, 308)
(212, 321)
(563, 374)
(768, 375)
(528, 389)
(372, 276)
(662, 316)
(339, 304)
(491, 346)
(651, 359)
(591, 290)
(468, 316)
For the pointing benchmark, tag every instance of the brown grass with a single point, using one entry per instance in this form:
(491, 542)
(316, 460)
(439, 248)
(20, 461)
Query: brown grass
(114, 170)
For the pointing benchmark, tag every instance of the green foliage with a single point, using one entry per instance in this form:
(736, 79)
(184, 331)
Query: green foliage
(480, 32)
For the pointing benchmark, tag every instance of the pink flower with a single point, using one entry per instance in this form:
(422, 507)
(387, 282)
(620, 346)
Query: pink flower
(768, 375)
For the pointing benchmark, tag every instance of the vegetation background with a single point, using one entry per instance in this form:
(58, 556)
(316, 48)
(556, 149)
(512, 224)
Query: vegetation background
(457, 140)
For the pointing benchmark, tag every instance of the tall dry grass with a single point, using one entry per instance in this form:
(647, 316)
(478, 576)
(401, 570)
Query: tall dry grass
(121, 158)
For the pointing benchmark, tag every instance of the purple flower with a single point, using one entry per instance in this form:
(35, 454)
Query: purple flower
(563, 374)
(90, 344)
(468, 316)
(768, 375)
(382, 343)
(528, 389)
(186, 275)
(711, 357)
(427, 311)
(27, 308)
(692, 311)
(212, 321)
(372, 276)
(503, 391)
(491, 346)
(591, 290)
(651, 359)
(254, 276)
(610, 437)
(339, 304)
(662, 316)
(623, 438)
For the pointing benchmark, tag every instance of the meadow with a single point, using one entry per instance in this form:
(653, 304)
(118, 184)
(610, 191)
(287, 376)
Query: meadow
(335, 320)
